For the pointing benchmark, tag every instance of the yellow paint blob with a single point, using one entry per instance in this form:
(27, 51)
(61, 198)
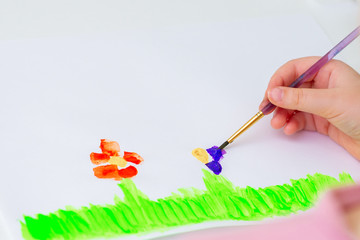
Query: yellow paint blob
(116, 160)
(201, 155)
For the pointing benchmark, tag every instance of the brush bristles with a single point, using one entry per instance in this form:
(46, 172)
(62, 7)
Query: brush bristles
(224, 145)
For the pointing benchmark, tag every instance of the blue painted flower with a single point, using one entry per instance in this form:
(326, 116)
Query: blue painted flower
(216, 154)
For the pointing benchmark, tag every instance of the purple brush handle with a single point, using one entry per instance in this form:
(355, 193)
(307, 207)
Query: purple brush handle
(319, 64)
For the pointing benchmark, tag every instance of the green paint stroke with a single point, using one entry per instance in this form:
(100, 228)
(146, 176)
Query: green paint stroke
(221, 200)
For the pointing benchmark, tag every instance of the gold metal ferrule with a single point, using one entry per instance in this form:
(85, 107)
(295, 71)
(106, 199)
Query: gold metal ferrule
(248, 124)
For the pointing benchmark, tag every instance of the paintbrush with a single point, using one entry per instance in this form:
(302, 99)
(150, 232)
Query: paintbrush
(308, 74)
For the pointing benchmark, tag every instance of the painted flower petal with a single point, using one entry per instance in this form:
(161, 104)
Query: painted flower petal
(128, 172)
(99, 158)
(107, 171)
(201, 155)
(111, 148)
(133, 157)
(216, 153)
(214, 166)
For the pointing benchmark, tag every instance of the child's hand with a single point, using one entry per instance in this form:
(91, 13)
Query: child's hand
(328, 104)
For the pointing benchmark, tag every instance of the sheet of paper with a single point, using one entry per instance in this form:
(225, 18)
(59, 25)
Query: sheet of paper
(158, 92)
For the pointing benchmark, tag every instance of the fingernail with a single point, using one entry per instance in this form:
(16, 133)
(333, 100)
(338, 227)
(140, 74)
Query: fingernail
(276, 94)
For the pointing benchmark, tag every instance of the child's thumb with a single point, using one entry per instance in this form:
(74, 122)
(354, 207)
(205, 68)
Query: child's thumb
(315, 101)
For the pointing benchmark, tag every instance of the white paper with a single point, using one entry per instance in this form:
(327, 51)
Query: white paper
(160, 93)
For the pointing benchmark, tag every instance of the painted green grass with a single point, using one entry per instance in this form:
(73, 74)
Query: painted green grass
(136, 213)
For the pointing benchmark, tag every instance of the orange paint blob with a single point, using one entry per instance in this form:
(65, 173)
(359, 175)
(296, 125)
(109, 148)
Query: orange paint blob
(99, 158)
(128, 172)
(111, 148)
(107, 171)
(133, 157)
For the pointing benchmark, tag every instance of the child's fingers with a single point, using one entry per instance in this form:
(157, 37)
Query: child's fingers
(288, 73)
(279, 119)
(292, 121)
(266, 100)
(296, 123)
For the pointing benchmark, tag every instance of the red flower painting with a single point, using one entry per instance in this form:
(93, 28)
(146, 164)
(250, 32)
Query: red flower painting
(114, 166)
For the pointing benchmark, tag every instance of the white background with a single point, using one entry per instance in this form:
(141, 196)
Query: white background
(161, 79)
(20, 19)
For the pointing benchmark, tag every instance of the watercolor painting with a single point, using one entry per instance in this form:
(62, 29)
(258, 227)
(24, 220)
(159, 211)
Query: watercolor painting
(215, 153)
(112, 159)
(136, 213)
